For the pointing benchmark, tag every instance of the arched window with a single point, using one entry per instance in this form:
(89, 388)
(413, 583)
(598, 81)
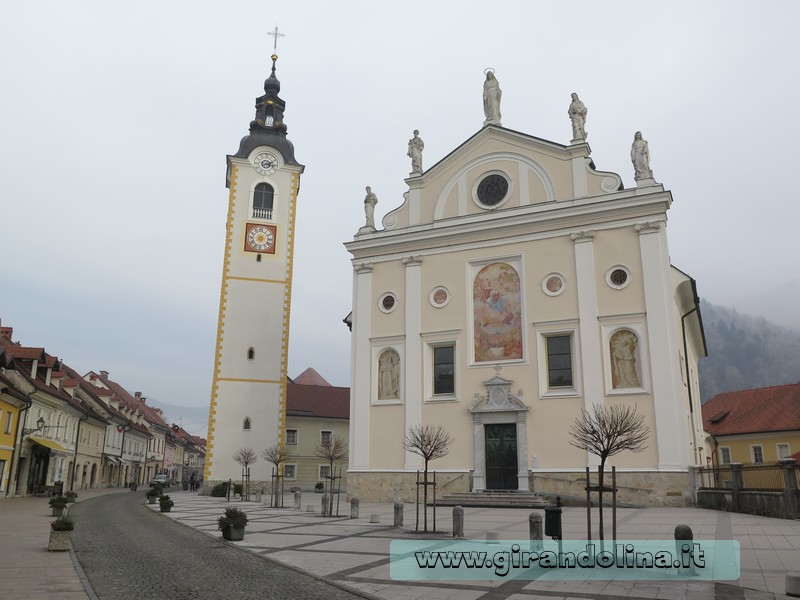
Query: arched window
(246, 424)
(262, 201)
(251, 353)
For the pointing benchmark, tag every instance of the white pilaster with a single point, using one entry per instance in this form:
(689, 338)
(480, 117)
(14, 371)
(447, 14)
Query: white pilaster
(361, 367)
(413, 355)
(590, 344)
(668, 397)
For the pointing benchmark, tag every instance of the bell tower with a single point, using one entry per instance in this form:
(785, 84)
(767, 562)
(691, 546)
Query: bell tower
(248, 389)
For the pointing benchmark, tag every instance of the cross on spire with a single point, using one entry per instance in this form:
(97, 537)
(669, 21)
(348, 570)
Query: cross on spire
(275, 35)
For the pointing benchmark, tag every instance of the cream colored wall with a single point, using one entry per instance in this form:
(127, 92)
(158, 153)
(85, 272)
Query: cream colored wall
(303, 453)
(619, 246)
(740, 445)
(386, 436)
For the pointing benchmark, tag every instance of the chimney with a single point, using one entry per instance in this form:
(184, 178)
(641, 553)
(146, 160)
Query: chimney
(138, 395)
(104, 373)
(7, 332)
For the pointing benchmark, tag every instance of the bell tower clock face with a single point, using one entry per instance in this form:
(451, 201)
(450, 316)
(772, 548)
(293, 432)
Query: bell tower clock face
(265, 163)
(260, 238)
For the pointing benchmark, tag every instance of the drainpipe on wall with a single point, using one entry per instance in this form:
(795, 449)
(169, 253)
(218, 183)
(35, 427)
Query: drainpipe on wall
(15, 453)
(75, 452)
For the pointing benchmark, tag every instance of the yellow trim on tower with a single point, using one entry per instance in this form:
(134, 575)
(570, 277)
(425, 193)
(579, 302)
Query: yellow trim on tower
(247, 380)
(223, 298)
(256, 279)
(287, 302)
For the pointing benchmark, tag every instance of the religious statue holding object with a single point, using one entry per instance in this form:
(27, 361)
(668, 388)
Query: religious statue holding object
(577, 114)
(415, 148)
(491, 99)
(369, 207)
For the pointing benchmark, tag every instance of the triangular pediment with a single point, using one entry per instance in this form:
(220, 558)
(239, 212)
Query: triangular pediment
(498, 397)
(499, 169)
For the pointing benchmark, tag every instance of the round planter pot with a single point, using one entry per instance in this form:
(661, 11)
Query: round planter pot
(151, 499)
(166, 508)
(58, 511)
(233, 534)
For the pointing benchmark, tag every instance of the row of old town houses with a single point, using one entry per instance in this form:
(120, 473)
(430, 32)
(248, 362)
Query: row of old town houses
(60, 431)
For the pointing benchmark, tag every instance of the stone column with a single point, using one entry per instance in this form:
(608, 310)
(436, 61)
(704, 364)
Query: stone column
(736, 485)
(523, 480)
(479, 476)
(398, 514)
(458, 521)
(669, 396)
(354, 506)
(411, 363)
(536, 531)
(791, 498)
(361, 367)
(586, 284)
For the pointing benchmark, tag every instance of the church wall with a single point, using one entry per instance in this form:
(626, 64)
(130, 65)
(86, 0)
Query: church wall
(388, 452)
(614, 247)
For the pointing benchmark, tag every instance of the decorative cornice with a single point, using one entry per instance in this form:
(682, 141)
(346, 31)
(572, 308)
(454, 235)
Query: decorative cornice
(412, 261)
(648, 227)
(363, 267)
(582, 236)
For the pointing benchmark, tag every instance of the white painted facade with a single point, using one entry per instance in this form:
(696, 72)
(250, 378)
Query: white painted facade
(560, 219)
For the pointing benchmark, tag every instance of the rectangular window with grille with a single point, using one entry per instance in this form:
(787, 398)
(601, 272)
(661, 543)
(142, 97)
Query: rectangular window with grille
(783, 451)
(291, 437)
(559, 361)
(324, 471)
(725, 455)
(325, 438)
(290, 471)
(757, 453)
(444, 370)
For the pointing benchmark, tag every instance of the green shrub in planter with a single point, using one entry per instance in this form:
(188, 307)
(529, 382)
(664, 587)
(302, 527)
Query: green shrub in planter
(218, 491)
(71, 496)
(166, 503)
(319, 487)
(237, 489)
(232, 524)
(62, 524)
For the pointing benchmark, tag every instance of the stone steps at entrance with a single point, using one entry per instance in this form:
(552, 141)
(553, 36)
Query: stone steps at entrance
(494, 499)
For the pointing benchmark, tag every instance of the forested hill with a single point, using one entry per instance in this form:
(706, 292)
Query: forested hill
(745, 352)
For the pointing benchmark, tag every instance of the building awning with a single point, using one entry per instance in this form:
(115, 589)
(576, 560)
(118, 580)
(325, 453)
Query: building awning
(51, 444)
(112, 459)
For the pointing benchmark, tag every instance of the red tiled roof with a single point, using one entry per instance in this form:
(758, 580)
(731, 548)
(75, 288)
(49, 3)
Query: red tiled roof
(318, 400)
(310, 377)
(774, 408)
(25, 353)
(130, 402)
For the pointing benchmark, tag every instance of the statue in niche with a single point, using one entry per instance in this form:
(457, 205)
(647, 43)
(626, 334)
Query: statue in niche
(415, 148)
(491, 99)
(369, 207)
(640, 157)
(388, 375)
(623, 359)
(577, 114)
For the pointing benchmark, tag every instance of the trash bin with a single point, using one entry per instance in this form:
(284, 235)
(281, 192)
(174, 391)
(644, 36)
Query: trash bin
(58, 488)
(552, 521)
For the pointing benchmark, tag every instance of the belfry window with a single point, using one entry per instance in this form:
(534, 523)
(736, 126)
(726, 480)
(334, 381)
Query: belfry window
(246, 424)
(251, 353)
(262, 201)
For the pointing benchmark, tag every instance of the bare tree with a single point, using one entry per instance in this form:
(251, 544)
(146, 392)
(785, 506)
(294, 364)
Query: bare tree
(245, 457)
(606, 431)
(332, 450)
(430, 443)
(277, 455)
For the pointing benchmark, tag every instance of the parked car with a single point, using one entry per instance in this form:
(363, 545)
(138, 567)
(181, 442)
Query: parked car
(161, 479)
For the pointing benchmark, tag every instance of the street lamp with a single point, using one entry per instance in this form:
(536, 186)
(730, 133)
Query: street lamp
(40, 426)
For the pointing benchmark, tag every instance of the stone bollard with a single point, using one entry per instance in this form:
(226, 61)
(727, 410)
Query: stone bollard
(354, 504)
(793, 584)
(458, 521)
(398, 513)
(297, 500)
(492, 537)
(325, 501)
(374, 518)
(536, 531)
(684, 537)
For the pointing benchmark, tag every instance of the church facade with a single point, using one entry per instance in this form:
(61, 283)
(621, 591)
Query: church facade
(516, 286)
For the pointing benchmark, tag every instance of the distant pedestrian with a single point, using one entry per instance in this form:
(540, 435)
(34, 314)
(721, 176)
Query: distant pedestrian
(192, 483)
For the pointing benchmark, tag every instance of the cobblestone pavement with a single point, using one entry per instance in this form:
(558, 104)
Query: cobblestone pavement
(128, 551)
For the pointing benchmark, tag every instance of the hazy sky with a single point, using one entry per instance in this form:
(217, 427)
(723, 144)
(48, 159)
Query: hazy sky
(115, 119)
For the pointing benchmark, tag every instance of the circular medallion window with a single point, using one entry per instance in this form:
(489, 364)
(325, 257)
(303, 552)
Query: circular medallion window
(553, 284)
(439, 296)
(618, 277)
(492, 189)
(387, 302)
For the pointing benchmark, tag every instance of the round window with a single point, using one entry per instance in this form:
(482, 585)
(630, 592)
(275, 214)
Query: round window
(618, 277)
(387, 302)
(492, 189)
